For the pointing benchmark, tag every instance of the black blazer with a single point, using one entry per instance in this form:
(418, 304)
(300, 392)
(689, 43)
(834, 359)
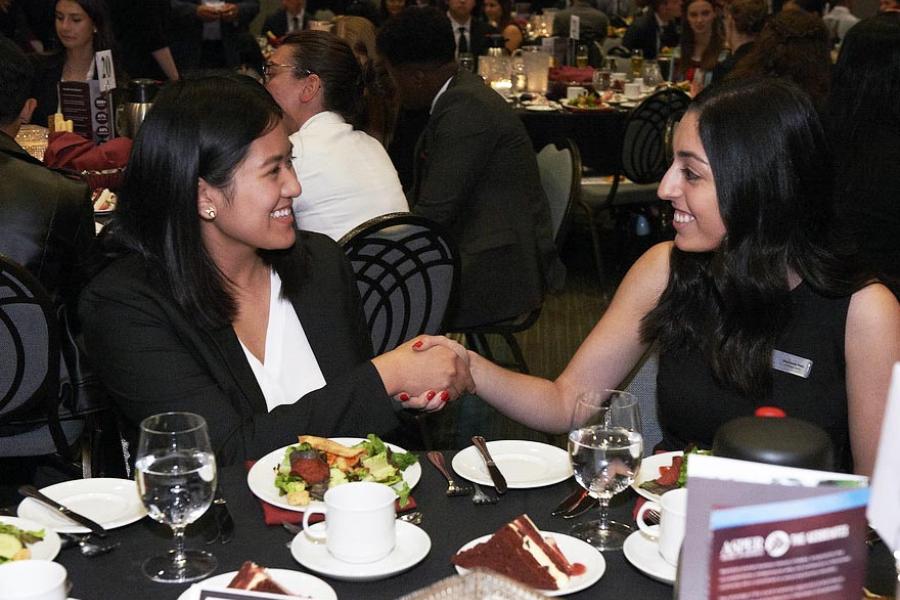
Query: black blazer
(644, 34)
(278, 25)
(186, 41)
(154, 358)
(46, 221)
(476, 174)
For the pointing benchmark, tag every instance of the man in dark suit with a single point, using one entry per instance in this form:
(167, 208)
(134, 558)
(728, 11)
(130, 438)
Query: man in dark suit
(46, 219)
(657, 28)
(291, 17)
(205, 32)
(476, 174)
(470, 35)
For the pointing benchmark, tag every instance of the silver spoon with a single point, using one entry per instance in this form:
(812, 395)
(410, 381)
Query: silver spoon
(87, 547)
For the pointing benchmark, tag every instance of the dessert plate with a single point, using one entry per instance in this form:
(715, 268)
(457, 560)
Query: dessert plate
(650, 470)
(261, 477)
(47, 548)
(643, 552)
(305, 586)
(413, 544)
(108, 501)
(524, 464)
(575, 550)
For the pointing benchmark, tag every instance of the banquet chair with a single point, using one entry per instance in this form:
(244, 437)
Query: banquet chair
(559, 166)
(406, 270)
(30, 423)
(645, 153)
(642, 383)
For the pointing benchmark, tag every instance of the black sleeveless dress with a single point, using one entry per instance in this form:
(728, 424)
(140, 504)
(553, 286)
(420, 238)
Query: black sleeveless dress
(692, 406)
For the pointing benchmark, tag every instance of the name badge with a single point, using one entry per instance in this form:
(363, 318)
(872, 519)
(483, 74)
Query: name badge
(791, 364)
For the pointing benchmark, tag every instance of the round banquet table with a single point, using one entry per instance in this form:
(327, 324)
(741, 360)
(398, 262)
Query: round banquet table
(450, 522)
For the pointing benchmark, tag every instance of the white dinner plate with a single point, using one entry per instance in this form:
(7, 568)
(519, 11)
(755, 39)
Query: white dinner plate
(540, 108)
(108, 501)
(643, 552)
(261, 477)
(47, 548)
(650, 470)
(413, 545)
(301, 584)
(575, 550)
(524, 464)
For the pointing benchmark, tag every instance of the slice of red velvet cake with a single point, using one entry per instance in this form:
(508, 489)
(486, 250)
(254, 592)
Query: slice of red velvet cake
(518, 551)
(254, 578)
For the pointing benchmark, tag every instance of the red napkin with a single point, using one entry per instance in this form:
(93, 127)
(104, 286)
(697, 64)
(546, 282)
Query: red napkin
(71, 151)
(572, 74)
(272, 515)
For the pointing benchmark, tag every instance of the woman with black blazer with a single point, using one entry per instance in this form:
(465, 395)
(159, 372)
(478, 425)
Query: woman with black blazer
(213, 303)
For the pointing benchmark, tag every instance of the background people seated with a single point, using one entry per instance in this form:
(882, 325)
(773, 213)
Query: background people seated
(864, 126)
(702, 42)
(469, 33)
(592, 22)
(83, 28)
(290, 18)
(749, 242)
(205, 35)
(346, 174)
(211, 302)
(476, 174)
(655, 29)
(142, 32)
(793, 45)
(743, 21)
(498, 14)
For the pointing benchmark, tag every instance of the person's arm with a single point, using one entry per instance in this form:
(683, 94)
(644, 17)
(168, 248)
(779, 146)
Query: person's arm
(604, 359)
(871, 347)
(73, 234)
(242, 12)
(163, 58)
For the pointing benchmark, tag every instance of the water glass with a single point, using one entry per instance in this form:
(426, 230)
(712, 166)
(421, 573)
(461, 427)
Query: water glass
(581, 55)
(176, 476)
(637, 62)
(651, 74)
(601, 80)
(605, 447)
(466, 61)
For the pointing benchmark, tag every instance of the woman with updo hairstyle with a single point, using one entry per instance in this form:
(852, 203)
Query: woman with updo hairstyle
(702, 42)
(210, 301)
(83, 29)
(498, 13)
(330, 107)
(793, 45)
(743, 21)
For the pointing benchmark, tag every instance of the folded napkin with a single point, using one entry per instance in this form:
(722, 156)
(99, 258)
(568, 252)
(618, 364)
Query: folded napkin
(273, 515)
(572, 74)
(71, 151)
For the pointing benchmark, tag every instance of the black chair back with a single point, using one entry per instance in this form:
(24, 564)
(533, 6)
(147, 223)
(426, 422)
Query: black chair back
(559, 165)
(647, 130)
(406, 268)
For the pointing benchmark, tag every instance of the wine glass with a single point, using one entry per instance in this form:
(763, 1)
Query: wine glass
(605, 446)
(176, 476)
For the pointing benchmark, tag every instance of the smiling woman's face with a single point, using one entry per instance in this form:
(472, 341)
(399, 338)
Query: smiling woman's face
(700, 15)
(73, 26)
(690, 187)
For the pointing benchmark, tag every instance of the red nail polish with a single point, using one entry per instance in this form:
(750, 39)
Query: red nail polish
(417, 345)
(430, 395)
(404, 397)
(445, 395)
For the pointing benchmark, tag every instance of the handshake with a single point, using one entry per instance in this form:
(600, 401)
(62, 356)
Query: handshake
(426, 372)
(217, 10)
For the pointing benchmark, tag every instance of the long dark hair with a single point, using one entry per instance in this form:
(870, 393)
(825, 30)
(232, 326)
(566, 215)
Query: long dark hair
(688, 41)
(772, 173)
(99, 14)
(198, 128)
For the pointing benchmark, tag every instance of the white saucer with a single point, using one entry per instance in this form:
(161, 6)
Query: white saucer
(524, 464)
(108, 501)
(643, 552)
(305, 586)
(540, 108)
(47, 548)
(649, 470)
(575, 551)
(413, 544)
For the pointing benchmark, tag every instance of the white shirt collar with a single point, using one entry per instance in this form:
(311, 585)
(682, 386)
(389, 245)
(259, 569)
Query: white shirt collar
(440, 93)
(456, 24)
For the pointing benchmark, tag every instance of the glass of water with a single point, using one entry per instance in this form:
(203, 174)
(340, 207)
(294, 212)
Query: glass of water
(605, 447)
(176, 476)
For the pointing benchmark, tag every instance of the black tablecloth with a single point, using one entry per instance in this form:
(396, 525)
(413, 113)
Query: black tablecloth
(450, 522)
(598, 135)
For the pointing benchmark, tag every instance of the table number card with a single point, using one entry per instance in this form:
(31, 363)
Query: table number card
(575, 27)
(106, 74)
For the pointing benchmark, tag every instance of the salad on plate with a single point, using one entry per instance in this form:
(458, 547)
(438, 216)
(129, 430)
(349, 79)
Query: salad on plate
(14, 542)
(316, 464)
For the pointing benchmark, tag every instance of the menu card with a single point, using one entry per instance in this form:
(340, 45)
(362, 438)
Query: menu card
(748, 519)
(883, 513)
(90, 110)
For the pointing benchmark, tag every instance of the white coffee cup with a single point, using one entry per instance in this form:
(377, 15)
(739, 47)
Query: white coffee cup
(360, 521)
(632, 90)
(575, 91)
(33, 580)
(670, 531)
(639, 81)
(618, 80)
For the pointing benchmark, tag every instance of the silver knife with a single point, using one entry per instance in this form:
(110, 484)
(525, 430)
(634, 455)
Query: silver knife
(496, 475)
(30, 491)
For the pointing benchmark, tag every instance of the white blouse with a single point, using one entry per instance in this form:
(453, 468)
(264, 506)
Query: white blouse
(291, 370)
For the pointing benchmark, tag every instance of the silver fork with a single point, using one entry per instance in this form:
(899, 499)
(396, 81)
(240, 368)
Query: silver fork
(87, 547)
(453, 488)
(481, 497)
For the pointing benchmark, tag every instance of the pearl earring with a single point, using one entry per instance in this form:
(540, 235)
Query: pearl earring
(211, 213)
